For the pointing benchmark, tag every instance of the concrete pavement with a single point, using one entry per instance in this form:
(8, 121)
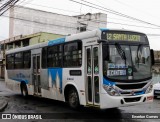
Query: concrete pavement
(3, 102)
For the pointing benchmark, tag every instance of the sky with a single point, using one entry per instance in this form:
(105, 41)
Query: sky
(143, 10)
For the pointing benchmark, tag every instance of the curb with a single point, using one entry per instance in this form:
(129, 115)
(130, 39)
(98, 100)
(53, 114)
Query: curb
(3, 105)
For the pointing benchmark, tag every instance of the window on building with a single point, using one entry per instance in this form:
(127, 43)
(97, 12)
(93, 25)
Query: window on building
(10, 46)
(17, 44)
(82, 29)
(2, 47)
(25, 42)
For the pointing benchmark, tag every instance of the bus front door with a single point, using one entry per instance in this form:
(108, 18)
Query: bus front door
(36, 74)
(92, 69)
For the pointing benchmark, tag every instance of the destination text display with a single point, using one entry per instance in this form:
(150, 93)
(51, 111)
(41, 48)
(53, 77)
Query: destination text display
(124, 36)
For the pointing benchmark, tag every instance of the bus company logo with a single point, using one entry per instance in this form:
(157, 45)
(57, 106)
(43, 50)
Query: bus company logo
(6, 116)
(133, 92)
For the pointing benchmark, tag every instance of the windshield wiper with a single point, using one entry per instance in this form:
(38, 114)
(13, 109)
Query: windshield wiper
(120, 51)
(139, 46)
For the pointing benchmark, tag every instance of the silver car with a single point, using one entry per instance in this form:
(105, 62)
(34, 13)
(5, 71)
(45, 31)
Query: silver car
(156, 88)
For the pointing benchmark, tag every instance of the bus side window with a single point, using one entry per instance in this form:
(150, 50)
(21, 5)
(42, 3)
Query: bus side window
(26, 59)
(10, 61)
(52, 56)
(18, 60)
(44, 57)
(72, 54)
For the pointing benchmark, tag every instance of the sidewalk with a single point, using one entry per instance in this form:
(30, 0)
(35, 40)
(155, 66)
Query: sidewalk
(3, 102)
(1, 79)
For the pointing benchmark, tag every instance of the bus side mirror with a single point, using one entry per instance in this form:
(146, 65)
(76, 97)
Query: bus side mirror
(152, 57)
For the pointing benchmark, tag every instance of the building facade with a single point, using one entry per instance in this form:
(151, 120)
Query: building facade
(24, 21)
(32, 22)
(156, 67)
(22, 41)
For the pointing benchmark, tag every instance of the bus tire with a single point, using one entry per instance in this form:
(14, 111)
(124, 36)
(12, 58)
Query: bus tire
(155, 97)
(73, 99)
(24, 91)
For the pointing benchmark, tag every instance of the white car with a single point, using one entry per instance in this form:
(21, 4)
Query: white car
(156, 89)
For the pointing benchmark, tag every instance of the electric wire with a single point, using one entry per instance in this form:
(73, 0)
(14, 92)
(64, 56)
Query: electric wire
(112, 11)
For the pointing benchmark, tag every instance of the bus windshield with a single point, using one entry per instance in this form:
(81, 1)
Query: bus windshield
(135, 66)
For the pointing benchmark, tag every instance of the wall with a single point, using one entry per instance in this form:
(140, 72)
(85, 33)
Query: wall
(24, 21)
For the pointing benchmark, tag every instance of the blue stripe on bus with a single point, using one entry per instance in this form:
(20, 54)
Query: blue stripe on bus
(139, 93)
(55, 75)
(104, 29)
(20, 80)
(107, 82)
(56, 41)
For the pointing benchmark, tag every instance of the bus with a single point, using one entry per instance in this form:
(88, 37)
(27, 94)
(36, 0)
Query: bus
(102, 68)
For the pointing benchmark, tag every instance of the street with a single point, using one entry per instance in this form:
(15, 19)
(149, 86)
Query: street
(18, 104)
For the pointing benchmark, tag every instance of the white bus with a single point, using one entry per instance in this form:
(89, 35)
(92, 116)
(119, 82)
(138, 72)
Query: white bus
(100, 68)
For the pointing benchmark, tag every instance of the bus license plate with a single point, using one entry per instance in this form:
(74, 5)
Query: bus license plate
(149, 98)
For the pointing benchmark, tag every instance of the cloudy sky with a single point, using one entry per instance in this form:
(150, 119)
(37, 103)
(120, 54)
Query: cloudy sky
(140, 15)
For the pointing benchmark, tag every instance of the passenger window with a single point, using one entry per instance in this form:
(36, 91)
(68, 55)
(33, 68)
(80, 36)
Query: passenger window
(72, 54)
(18, 62)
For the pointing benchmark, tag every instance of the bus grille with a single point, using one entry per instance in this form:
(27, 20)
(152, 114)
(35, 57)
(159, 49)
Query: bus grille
(131, 86)
(136, 99)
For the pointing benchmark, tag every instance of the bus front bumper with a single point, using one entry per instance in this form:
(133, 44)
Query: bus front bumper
(108, 101)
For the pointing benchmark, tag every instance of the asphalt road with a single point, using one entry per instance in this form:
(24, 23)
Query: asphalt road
(61, 112)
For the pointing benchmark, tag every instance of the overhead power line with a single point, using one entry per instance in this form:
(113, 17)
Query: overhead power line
(111, 11)
(73, 11)
(43, 23)
(99, 21)
(123, 15)
(135, 8)
(52, 7)
(6, 6)
(104, 22)
(96, 21)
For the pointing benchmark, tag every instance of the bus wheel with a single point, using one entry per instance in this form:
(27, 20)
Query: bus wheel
(24, 91)
(73, 99)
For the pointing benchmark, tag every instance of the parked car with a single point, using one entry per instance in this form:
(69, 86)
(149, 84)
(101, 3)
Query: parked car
(156, 89)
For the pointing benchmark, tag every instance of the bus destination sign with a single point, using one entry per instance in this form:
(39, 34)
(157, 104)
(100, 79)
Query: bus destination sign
(123, 36)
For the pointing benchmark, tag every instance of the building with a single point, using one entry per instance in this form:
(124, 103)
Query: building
(22, 41)
(157, 56)
(30, 22)
(24, 21)
(156, 67)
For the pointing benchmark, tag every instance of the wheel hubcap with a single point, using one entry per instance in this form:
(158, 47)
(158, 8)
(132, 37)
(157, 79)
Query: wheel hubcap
(24, 92)
(73, 99)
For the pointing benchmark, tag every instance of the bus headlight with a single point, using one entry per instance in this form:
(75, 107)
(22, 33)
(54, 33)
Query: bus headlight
(149, 89)
(110, 90)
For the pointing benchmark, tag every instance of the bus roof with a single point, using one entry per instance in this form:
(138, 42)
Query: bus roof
(78, 36)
